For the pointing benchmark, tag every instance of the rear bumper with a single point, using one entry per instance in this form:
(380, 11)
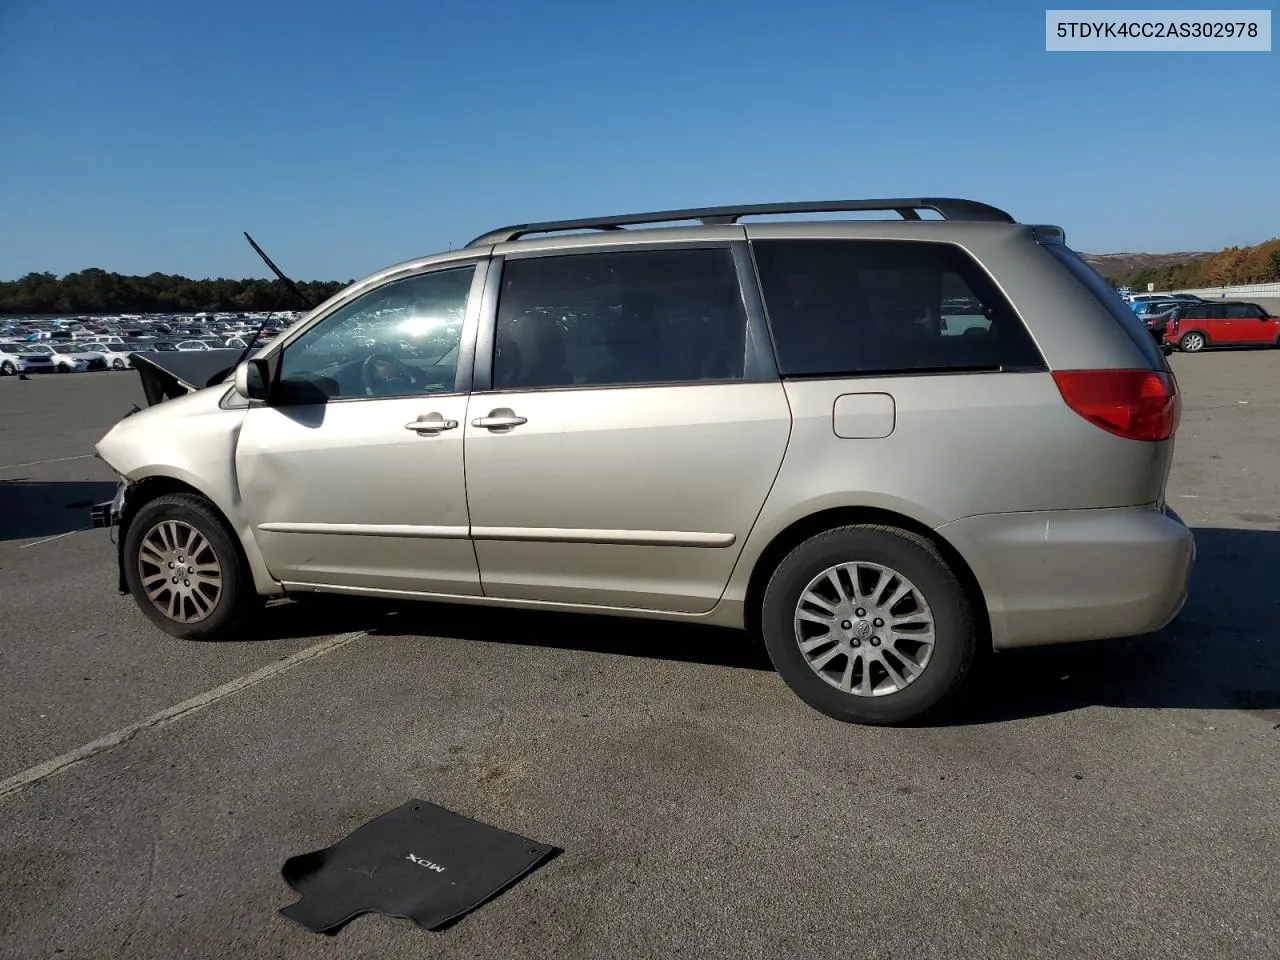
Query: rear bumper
(1061, 576)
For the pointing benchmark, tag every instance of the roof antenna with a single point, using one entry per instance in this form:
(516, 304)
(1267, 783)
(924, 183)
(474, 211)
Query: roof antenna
(293, 287)
(289, 285)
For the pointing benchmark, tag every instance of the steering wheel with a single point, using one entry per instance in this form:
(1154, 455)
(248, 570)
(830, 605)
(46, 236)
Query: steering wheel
(384, 375)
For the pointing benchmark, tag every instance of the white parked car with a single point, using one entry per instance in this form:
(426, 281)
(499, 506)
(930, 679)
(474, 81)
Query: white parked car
(116, 354)
(94, 360)
(12, 362)
(187, 345)
(44, 359)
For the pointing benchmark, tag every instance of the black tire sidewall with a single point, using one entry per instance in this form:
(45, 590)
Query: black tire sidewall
(954, 625)
(236, 587)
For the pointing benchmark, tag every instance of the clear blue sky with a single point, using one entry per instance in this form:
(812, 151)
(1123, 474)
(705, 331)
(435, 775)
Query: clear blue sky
(144, 135)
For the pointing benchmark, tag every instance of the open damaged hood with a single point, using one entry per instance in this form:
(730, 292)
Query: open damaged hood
(172, 374)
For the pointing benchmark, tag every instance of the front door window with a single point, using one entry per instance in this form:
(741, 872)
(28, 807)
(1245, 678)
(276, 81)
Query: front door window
(399, 340)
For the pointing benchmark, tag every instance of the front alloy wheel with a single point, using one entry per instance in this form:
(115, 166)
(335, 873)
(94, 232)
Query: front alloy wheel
(180, 571)
(185, 569)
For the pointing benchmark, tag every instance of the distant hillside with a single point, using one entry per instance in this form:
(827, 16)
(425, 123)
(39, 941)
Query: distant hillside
(1115, 265)
(1174, 271)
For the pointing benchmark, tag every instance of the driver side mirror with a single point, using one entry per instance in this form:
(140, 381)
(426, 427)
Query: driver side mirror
(253, 379)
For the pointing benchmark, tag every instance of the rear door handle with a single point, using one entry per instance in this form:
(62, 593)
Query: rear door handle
(430, 423)
(503, 418)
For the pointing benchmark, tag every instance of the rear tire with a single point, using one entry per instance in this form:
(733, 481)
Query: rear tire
(848, 660)
(213, 594)
(1192, 342)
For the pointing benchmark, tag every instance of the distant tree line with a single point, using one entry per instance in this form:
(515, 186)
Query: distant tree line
(1230, 267)
(97, 291)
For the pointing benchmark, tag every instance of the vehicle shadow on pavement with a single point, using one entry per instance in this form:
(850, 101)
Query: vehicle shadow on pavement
(1221, 653)
(40, 508)
(312, 617)
(623, 636)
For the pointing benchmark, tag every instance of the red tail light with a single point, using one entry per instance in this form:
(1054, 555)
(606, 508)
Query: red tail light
(1134, 404)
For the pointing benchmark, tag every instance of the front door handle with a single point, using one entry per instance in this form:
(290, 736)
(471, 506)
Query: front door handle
(430, 423)
(503, 418)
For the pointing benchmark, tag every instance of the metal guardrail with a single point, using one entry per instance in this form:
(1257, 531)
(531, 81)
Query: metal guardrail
(1241, 292)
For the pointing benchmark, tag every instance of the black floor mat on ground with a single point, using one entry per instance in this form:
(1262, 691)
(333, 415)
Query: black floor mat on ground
(420, 862)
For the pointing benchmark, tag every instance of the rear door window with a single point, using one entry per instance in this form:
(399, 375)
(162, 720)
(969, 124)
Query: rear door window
(851, 307)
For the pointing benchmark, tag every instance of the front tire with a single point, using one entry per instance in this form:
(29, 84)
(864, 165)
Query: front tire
(185, 569)
(1192, 342)
(7, 369)
(117, 363)
(869, 624)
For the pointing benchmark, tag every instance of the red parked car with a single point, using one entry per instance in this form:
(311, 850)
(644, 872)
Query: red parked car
(1226, 323)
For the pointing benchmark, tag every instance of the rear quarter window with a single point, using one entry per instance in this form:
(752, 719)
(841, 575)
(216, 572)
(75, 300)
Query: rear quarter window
(866, 307)
(1106, 295)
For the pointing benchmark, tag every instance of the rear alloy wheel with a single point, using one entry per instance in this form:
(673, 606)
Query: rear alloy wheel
(869, 625)
(185, 571)
(7, 369)
(1191, 342)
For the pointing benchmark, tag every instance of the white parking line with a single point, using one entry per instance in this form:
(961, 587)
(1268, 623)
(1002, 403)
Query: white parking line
(36, 543)
(36, 463)
(49, 768)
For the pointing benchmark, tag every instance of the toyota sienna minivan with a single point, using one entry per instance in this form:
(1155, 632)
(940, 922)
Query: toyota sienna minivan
(880, 445)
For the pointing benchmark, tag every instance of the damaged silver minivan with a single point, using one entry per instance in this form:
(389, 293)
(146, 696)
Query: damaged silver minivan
(878, 444)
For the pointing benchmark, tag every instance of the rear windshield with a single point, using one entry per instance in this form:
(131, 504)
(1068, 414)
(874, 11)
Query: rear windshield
(1106, 295)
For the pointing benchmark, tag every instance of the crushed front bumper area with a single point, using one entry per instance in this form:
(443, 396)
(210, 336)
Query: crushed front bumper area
(107, 516)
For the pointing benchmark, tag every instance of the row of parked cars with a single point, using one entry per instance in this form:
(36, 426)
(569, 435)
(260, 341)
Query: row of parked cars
(1191, 324)
(82, 356)
(106, 344)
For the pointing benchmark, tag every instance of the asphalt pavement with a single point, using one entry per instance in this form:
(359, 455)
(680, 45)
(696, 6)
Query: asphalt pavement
(1107, 800)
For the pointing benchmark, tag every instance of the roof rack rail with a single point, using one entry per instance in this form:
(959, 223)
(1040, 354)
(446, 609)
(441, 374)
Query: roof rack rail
(908, 209)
